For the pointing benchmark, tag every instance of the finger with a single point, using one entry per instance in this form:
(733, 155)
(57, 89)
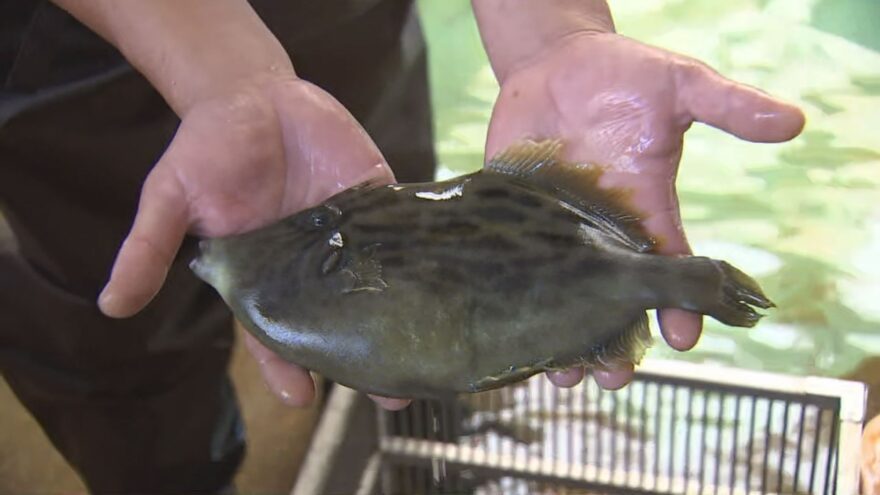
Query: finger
(390, 403)
(147, 253)
(613, 379)
(681, 329)
(566, 378)
(744, 111)
(289, 382)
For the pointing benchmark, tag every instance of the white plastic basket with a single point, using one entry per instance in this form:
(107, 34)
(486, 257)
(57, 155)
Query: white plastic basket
(679, 428)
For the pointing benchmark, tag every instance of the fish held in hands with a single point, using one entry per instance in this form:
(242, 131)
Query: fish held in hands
(429, 289)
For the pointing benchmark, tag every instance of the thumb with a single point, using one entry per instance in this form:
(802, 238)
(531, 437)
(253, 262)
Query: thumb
(706, 96)
(151, 246)
(681, 329)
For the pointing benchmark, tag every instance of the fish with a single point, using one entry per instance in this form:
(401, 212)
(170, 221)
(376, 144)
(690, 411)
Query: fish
(426, 290)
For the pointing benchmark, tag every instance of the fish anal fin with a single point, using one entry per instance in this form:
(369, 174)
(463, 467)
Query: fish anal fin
(608, 210)
(624, 349)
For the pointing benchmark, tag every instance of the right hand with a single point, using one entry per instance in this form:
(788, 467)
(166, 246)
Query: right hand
(626, 106)
(266, 148)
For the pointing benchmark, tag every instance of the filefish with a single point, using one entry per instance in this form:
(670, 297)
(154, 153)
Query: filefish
(424, 290)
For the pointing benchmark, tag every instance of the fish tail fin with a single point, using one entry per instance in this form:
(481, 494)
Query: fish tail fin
(701, 285)
(738, 293)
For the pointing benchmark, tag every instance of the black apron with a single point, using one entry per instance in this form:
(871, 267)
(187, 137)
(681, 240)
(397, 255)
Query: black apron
(144, 404)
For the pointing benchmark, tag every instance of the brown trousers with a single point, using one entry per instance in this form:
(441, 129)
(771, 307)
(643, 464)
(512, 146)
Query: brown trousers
(144, 405)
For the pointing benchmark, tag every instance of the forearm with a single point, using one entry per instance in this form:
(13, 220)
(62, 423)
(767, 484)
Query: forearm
(189, 50)
(514, 31)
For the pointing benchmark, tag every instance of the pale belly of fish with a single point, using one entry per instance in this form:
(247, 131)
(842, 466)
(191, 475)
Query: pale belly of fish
(423, 290)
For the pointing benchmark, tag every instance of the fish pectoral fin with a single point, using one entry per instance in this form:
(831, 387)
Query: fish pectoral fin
(622, 350)
(605, 209)
(365, 273)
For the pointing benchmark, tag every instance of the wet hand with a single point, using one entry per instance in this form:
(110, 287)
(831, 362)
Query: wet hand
(626, 106)
(266, 149)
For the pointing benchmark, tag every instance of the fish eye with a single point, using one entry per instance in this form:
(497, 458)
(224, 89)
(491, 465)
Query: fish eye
(323, 216)
(319, 218)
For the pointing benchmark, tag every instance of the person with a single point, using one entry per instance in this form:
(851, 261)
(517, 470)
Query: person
(869, 458)
(215, 117)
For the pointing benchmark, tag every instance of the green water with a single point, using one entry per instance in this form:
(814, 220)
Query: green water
(803, 217)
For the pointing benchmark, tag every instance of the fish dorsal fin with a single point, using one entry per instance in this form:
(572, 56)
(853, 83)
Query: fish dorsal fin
(577, 186)
(526, 158)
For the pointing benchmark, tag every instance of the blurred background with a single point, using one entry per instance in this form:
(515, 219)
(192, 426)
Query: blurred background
(803, 217)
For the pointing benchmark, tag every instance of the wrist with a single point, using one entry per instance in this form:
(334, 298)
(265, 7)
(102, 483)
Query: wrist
(236, 84)
(190, 51)
(189, 66)
(514, 32)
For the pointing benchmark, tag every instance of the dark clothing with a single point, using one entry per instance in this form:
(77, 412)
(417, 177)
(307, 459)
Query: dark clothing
(144, 404)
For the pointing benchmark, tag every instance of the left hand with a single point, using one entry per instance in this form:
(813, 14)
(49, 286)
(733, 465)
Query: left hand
(626, 106)
(267, 147)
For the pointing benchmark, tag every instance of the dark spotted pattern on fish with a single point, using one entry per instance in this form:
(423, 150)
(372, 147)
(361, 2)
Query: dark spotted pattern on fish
(421, 290)
(441, 245)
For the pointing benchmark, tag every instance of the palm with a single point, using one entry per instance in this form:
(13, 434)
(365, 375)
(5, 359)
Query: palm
(235, 164)
(263, 157)
(232, 175)
(626, 106)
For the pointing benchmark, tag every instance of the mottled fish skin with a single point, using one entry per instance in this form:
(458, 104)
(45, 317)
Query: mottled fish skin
(422, 290)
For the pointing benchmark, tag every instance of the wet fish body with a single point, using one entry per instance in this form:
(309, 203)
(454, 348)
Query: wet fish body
(422, 290)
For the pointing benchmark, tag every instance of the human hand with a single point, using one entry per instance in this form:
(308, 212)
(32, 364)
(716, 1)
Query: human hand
(255, 144)
(268, 148)
(625, 106)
